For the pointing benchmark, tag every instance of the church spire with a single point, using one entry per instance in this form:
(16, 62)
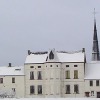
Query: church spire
(95, 49)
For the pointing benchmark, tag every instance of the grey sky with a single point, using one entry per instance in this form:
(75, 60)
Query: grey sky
(40, 25)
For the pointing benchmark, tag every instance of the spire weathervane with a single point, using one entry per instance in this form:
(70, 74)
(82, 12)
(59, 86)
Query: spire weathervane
(94, 13)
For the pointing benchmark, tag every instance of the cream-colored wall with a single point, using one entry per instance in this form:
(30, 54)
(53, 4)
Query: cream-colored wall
(94, 88)
(7, 85)
(53, 79)
(34, 82)
(72, 81)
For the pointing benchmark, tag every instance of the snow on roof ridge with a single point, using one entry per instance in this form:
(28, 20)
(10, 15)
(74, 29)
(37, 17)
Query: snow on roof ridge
(70, 52)
(40, 52)
(93, 62)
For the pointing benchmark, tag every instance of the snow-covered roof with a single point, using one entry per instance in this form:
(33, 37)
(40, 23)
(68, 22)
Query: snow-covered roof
(71, 57)
(7, 71)
(92, 70)
(36, 58)
(62, 57)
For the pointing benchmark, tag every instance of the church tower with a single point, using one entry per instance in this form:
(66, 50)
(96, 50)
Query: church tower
(95, 49)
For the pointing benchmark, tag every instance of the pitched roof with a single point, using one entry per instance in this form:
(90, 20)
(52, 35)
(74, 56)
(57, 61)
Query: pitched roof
(92, 70)
(61, 57)
(16, 70)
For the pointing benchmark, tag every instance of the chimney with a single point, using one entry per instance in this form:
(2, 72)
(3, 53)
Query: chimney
(29, 52)
(9, 65)
(83, 49)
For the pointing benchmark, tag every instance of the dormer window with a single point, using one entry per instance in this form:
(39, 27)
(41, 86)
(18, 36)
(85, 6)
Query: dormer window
(51, 55)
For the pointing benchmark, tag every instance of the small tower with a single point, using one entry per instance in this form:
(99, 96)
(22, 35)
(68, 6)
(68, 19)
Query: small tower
(95, 49)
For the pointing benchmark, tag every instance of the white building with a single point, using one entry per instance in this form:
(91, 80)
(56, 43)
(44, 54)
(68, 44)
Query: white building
(53, 74)
(12, 81)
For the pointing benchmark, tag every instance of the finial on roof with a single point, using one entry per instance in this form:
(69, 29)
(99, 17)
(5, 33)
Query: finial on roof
(29, 52)
(94, 13)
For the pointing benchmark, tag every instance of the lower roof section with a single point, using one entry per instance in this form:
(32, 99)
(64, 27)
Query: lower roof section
(13, 70)
(92, 70)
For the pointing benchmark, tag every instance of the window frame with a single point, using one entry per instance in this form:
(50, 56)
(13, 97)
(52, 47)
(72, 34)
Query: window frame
(97, 83)
(32, 89)
(39, 75)
(67, 89)
(13, 79)
(31, 66)
(76, 88)
(67, 74)
(91, 82)
(31, 75)
(75, 74)
(1, 80)
(39, 66)
(75, 65)
(39, 91)
(67, 65)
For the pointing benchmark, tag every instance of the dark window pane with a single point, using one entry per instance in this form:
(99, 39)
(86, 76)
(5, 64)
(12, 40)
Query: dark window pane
(87, 94)
(76, 90)
(67, 74)
(75, 74)
(97, 82)
(91, 83)
(1, 80)
(67, 89)
(39, 66)
(32, 75)
(13, 80)
(31, 66)
(32, 89)
(75, 65)
(39, 75)
(67, 65)
(39, 89)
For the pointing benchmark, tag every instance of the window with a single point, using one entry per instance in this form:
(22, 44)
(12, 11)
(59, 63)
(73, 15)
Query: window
(50, 65)
(39, 89)
(87, 94)
(1, 80)
(13, 80)
(32, 89)
(67, 89)
(67, 74)
(91, 83)
(67, 65)
(57, 65)
(31, 66)
(39, 66)
(51, 55)
(75, 65)
(31, 75)
(17, 69)
(39, 75)
(92, 93)
(76, 89)
(75, 74)
(13, 89)
(97, 82)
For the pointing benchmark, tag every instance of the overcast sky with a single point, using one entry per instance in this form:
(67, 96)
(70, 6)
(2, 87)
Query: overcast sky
(40, 25)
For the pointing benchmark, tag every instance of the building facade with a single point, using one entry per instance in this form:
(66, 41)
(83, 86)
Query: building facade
(57, 74)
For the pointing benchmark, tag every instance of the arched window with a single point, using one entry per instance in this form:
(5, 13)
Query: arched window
(51, 55)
